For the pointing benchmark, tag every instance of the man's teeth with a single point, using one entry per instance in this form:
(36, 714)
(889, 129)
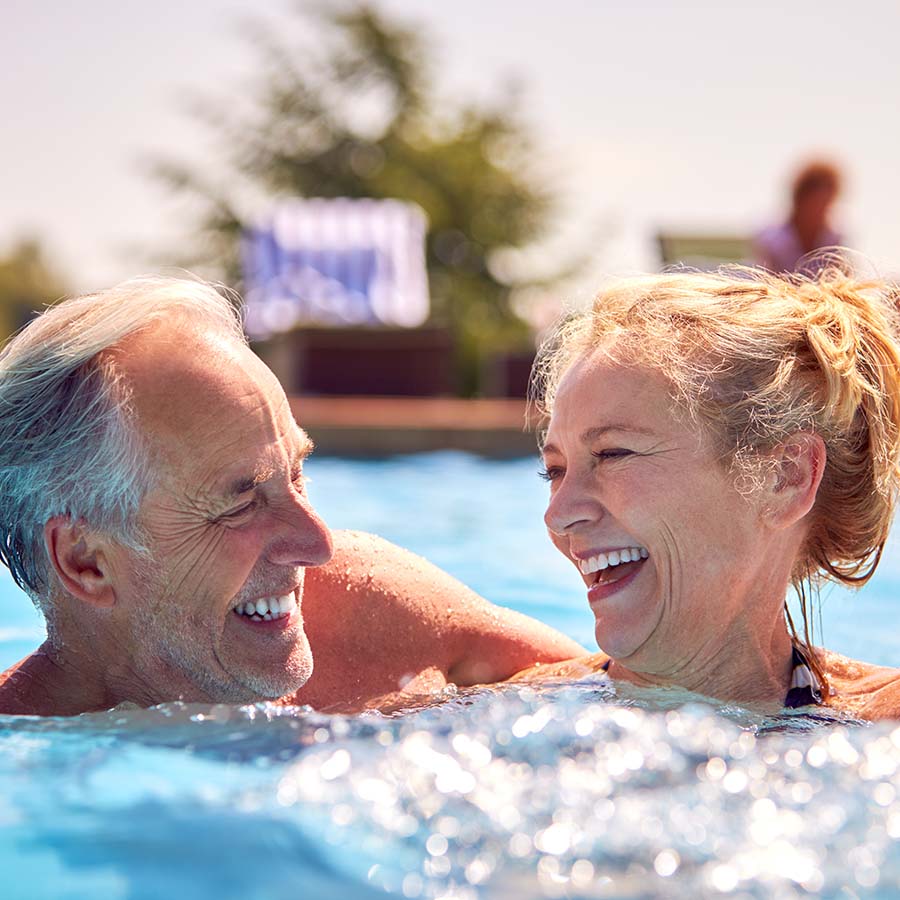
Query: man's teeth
(613, 558)
(267, 608)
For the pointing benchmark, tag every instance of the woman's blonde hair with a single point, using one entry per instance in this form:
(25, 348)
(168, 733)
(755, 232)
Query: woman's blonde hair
(755, 358)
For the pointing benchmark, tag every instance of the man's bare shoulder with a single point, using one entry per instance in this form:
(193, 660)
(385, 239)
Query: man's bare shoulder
(860, 688)
(377, 615)
(361, 560)
(24, 687)
(369, 590)
(389, 585)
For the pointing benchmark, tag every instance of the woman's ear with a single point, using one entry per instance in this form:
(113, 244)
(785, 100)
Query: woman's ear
(80, 560)
(797, 466)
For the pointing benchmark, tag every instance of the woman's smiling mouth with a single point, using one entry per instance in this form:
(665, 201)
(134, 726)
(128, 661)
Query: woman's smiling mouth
(611, 558)
(609, 572)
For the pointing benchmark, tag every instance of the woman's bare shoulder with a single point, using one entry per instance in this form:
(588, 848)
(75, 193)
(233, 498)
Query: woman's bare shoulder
(860, 688)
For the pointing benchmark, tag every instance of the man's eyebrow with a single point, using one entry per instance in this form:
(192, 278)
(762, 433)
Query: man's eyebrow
(599, 431)
(305, 447)
(247, 483)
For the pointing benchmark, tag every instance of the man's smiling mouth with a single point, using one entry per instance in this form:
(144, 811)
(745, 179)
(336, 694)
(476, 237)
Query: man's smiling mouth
(267, 609)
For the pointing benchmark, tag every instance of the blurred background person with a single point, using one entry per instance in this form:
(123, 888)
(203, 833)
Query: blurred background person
(792, 245)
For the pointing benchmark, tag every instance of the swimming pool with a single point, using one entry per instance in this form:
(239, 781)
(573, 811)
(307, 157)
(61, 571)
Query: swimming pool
(568, 791)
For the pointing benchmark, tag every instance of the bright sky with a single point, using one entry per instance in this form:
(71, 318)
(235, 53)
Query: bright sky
(650, 113)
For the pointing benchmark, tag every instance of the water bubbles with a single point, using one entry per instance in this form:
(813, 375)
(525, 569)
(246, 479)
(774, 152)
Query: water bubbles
(817, 755)
(550, 876)
(375, 791)
(532, 724)
(287, 792)
(666, 863)
(412, 885)
(475, 752)
(436, 845)
(556, 839)
(893, 825)
(723, 878)
(866, 875)
(793, 758)
(584, 726)
(342, 814)
(840, 749)
(520, 845)
(335, 766)
(437, 867)
(582, 873)
(735, 781)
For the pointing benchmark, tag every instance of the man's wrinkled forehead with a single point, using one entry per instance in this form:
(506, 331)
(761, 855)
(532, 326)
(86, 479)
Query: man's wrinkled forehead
(196, 393)
(172, 362)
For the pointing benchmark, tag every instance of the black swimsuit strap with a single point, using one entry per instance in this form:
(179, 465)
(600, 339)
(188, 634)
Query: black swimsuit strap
(805, 689)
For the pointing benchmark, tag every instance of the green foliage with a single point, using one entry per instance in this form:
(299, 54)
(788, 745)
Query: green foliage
(353, 113)
(27, 285)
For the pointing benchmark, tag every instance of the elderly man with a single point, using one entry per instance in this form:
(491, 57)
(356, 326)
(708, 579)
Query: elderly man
(154, 508)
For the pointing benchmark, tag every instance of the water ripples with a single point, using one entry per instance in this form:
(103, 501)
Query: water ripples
(564, 791)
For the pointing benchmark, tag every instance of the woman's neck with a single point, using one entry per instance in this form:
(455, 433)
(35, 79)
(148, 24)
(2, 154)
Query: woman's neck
(744, 665)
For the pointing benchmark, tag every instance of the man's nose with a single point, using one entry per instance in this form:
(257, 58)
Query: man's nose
(303, 538)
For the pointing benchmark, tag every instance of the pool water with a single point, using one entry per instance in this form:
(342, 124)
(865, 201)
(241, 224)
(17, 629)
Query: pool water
(572, 790)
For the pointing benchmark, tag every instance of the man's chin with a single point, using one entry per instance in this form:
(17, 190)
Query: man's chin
(270, 683)
(265, 665)
(267, 686)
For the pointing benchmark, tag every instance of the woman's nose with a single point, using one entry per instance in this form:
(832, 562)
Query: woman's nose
(569, 507)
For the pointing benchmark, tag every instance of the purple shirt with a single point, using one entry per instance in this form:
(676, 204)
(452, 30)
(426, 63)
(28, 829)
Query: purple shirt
(778, 248)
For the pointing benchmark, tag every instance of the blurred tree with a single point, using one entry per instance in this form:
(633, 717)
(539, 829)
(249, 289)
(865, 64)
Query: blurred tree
(353, 113)
(27, 285)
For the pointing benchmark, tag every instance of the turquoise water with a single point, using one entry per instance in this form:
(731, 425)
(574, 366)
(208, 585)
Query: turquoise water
(582, 790)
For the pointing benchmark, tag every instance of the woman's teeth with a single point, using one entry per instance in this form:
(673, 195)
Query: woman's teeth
(613, 558)
(266, 609)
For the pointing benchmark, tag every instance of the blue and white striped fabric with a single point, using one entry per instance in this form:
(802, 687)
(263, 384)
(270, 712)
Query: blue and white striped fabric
(335, 262)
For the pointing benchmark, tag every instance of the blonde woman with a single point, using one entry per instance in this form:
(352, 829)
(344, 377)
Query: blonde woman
(715, 440)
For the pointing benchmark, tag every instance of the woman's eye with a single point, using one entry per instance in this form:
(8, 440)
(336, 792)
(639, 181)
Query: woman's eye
(551, 473)
(613, 453)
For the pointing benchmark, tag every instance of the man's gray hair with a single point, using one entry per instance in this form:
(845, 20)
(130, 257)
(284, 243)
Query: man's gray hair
(68, 441)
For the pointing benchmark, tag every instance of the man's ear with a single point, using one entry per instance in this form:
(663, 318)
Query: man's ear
(798, 464)
(80, 561)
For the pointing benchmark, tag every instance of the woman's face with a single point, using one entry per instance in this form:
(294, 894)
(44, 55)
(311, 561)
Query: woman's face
(671, 554)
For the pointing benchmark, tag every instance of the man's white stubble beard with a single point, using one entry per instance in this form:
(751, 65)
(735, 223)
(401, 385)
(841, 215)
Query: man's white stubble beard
(156, 628)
